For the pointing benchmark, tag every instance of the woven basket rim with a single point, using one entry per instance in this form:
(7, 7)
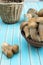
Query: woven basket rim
(11, 3)
(32, 42)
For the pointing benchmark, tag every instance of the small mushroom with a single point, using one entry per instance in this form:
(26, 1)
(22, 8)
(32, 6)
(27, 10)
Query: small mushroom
(15, 49)
(7, 46)
(37, 19)
(41, 31)
(31, 10)
(32, 23)
(40, 13)
(31, 15)
(26, 31)
(7, 52)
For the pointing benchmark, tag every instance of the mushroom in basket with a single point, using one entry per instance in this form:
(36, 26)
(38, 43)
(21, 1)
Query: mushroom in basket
(33, 31)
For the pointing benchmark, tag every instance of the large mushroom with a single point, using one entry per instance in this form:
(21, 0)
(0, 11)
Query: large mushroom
(33, 31)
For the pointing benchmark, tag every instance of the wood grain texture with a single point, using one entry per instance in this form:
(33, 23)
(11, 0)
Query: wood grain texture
(2, 37)
(16, 58)
(28, 55)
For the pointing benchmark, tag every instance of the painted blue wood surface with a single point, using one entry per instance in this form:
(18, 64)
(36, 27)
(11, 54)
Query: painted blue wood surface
(16, 59)
(28, 55)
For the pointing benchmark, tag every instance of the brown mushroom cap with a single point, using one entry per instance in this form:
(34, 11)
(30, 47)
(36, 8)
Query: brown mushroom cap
(9, 53)
(40, 13)
(15, 49)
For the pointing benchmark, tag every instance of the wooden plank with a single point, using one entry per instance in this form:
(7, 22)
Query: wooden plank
(24, 54)
(3, 29)
(16, 58)
(24, 10)
(34, 53)
(40, 50)
(25, 57)
(40, 5)
(5, 60)
(32, 50)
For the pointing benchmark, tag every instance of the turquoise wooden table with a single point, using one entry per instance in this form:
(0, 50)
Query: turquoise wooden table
(28, 55)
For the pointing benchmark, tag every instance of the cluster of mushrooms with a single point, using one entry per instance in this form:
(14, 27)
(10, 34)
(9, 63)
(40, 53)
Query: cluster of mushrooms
(9, 50)
(33, 29)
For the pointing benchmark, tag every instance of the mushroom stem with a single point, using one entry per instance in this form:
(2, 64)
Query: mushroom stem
(26, 31)
(7, 46)
(41, 31)
(4, 51)
(32, 24)
(7, 52)
(38, 19)
(34, 35)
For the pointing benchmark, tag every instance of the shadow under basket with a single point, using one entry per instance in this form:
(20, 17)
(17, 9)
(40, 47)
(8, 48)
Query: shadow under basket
(10, 12)
(31, 41)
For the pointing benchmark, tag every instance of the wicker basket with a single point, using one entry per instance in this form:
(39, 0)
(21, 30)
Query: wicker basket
(10, 12)
(29, 40)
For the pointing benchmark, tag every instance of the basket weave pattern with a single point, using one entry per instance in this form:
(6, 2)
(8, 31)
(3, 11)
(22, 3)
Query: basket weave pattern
(10, 13)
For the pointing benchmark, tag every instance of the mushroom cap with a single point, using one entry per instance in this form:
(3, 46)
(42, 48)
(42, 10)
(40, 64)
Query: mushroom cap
(40, 13)
(31, 10)
(15, 48)
(9, 53)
